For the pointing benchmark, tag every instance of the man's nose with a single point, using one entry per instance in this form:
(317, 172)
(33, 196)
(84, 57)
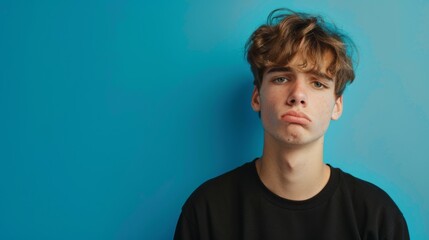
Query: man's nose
(297, 95)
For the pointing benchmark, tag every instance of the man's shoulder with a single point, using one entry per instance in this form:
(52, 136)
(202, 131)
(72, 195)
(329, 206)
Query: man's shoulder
(373, 208)
(223, 186)
(366, 194)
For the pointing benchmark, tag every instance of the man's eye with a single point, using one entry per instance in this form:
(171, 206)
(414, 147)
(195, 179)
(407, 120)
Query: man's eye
(318, 85)
(280, 80)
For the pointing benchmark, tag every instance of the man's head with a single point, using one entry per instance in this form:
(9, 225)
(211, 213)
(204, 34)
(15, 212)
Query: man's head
(288, 34)
(301, 68)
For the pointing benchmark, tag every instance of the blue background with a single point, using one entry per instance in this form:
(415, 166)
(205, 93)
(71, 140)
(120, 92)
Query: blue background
(113, 112)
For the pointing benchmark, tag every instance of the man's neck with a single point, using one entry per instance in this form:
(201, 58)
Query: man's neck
(295, 172)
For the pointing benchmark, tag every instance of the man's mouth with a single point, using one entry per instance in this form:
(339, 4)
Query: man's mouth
(296, 117)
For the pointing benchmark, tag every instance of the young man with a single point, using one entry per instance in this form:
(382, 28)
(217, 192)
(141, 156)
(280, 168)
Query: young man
(301, 68)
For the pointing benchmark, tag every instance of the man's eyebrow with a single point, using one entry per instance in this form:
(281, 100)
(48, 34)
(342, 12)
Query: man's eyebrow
(279, 69)
(288, 69)
(321, 75)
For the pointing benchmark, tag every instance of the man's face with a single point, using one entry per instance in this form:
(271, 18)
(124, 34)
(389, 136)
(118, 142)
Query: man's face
(296, 105)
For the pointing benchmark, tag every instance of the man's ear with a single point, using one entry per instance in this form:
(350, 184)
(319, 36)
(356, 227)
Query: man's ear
(256, 104)
(338, 108)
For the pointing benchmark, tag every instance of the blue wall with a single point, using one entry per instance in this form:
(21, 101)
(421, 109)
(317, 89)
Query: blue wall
(112, 112)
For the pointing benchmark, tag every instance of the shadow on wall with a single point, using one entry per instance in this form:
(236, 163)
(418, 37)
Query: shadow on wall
(224, 133)
(240, 124)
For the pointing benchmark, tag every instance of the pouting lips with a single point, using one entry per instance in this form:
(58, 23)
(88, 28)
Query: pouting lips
(296, 117)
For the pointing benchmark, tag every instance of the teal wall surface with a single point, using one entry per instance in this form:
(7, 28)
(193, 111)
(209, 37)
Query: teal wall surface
(113, 112)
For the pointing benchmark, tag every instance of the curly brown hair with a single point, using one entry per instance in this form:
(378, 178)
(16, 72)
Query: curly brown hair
(287, 33)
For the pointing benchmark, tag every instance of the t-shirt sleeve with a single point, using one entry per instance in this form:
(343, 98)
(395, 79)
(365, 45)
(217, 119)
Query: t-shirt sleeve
(185, 230)
(397, 229)
(192, 223)
(377, 215)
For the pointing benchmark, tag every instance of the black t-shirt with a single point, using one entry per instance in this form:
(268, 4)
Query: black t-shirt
(237, 205)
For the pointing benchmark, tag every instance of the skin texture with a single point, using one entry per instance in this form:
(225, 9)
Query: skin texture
(296, 106)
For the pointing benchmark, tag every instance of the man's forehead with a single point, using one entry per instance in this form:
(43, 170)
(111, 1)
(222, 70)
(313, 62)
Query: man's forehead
(308, 59)
(317, 65)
